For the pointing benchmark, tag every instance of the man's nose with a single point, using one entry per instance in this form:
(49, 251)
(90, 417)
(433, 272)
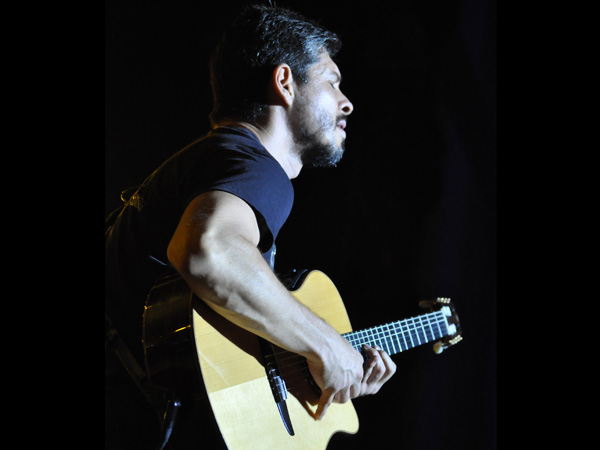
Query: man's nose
(346, 106)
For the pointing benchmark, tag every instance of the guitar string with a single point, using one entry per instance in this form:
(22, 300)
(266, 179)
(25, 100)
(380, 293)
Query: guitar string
(292, 382)
(401, 329)
(392, 330)
(303, 369)
(389, 332)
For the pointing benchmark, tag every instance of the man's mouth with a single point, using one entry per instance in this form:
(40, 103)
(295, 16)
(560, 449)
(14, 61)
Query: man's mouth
(341, 125)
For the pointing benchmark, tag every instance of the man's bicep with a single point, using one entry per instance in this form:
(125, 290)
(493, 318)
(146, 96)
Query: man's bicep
(214, 215)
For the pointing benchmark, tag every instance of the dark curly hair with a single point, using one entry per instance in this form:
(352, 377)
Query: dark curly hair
(258, 40)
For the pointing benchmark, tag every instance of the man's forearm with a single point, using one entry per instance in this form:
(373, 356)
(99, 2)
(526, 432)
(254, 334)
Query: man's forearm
(232, 277)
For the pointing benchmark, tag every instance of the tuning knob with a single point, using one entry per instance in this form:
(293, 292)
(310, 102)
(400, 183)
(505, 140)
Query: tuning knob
(438, 347)
(455, 340)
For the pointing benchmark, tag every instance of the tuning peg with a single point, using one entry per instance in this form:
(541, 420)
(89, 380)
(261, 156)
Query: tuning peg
(438, 347)
(455, 340)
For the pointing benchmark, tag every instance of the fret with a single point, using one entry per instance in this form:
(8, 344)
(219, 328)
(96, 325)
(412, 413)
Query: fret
(410, 330)
(406, 334)
(390, 340)
(428, 328)
(436, 323)
(442, 324)
(424, 321)
(361, 337)
(435, 326)
(350, 338)
(433, 323)
(398, 327)
(381, 342)
(423, 330)
(376, 337)
(371, 337)
(416, 330)
(365, 336)
(439, 333)
(411, 335)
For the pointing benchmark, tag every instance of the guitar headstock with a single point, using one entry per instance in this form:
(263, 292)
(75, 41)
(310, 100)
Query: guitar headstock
(445, 305)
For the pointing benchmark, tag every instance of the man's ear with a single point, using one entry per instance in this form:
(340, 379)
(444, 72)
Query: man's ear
(283, 85)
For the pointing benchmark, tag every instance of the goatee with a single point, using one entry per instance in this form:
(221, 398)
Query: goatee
(323, 155)
(319, 149)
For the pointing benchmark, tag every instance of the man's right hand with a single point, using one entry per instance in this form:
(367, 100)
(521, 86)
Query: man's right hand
(339, 379)
(350, 375)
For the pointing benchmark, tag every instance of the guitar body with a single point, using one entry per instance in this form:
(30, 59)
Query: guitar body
(184, 338)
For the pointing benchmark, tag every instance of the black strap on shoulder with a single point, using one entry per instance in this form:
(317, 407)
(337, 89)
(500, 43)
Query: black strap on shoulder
(163, 400)
(114, 343)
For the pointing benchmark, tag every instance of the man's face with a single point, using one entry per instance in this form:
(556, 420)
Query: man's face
(318, 115)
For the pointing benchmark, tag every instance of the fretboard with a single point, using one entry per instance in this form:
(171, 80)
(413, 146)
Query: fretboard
(396, 337)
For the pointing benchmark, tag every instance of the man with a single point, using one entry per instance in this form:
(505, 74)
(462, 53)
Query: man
(213, 210)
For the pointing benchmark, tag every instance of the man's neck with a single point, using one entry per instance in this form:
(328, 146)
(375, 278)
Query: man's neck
(278, 142)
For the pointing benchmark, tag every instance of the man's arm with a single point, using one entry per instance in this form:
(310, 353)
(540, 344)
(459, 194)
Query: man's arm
(214, 248)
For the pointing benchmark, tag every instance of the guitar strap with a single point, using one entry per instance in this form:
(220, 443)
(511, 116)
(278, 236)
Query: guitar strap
(163, 400)
(114, 342)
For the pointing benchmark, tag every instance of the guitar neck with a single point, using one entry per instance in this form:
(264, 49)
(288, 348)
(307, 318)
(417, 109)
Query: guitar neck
(396, 337)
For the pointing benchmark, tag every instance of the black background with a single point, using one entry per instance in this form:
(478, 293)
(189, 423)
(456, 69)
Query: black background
(409, 214)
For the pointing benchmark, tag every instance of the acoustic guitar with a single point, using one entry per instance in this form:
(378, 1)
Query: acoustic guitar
(261, 396)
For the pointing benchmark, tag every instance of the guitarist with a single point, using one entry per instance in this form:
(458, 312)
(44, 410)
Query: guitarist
(213, 210)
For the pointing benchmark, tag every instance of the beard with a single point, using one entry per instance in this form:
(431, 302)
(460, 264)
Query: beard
(316, 139)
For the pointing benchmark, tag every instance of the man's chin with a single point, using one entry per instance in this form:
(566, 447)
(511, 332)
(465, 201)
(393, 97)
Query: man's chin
(324, 157)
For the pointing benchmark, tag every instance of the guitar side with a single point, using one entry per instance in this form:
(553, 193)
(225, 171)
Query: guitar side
(233, 371)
